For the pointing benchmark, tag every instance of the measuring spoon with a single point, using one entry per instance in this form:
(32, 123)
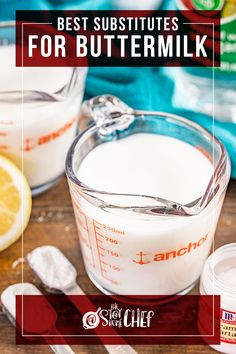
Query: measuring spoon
(8, 299)
(57, 273)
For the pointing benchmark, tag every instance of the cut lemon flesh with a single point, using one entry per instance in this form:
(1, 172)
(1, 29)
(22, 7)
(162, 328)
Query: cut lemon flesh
(15, 203)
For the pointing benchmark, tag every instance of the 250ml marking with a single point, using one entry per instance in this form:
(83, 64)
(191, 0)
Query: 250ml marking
(109, 228)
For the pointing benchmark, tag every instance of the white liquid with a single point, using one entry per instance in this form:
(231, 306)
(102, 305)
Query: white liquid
(131, 253)
(148, 164)
(46, 79)
(48, 126)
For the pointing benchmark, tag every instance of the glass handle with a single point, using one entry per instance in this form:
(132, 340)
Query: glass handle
(109, 113)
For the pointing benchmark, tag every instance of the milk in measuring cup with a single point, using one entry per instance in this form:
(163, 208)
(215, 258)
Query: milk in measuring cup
(143, 254)
(42, 127)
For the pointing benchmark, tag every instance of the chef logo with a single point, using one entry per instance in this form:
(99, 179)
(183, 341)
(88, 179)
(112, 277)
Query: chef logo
(117, 317)
(91, 319)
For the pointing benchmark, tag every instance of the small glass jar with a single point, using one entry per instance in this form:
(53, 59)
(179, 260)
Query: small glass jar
(219, 278)
(137, 5)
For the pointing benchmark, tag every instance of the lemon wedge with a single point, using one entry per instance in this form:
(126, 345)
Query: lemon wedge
(15, 203)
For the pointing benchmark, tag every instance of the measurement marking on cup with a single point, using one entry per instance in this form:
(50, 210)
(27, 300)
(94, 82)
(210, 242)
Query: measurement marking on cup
(90, 244)
(83, 239)
(110, 228)
(101, 248)
(99, 256)
(100, 240)
(100, 235)
(104, 263)
(82, 223)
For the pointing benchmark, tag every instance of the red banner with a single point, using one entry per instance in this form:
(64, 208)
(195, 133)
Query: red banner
(100, 319)
(118, 38)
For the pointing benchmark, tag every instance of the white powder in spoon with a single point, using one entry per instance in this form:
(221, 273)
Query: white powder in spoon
(52, 267)
(41, 310)
(8, 295)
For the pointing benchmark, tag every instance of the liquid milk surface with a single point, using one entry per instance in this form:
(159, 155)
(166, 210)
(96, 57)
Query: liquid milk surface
(148, 164)
(49, 79)
(40, 118)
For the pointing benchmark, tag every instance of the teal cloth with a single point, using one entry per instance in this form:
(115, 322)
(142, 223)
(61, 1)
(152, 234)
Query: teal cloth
(144, 88)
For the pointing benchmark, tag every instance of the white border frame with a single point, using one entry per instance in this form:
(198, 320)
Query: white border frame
(22, 167)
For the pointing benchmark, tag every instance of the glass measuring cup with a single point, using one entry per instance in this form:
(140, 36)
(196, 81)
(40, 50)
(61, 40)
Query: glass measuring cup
(39, 108)
(123, 235)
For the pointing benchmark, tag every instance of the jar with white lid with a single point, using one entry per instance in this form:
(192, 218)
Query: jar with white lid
(219, 278)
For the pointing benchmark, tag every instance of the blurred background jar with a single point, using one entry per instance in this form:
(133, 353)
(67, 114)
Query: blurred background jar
(39, 109)
(194, 86)
(137, 4)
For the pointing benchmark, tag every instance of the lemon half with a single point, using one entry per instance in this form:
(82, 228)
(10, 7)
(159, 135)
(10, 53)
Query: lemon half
(15, 203)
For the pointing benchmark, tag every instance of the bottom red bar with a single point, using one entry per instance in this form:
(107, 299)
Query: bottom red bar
(101, 319)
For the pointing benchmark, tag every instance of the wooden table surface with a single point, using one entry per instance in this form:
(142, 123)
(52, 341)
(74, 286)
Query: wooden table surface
(52, 222)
